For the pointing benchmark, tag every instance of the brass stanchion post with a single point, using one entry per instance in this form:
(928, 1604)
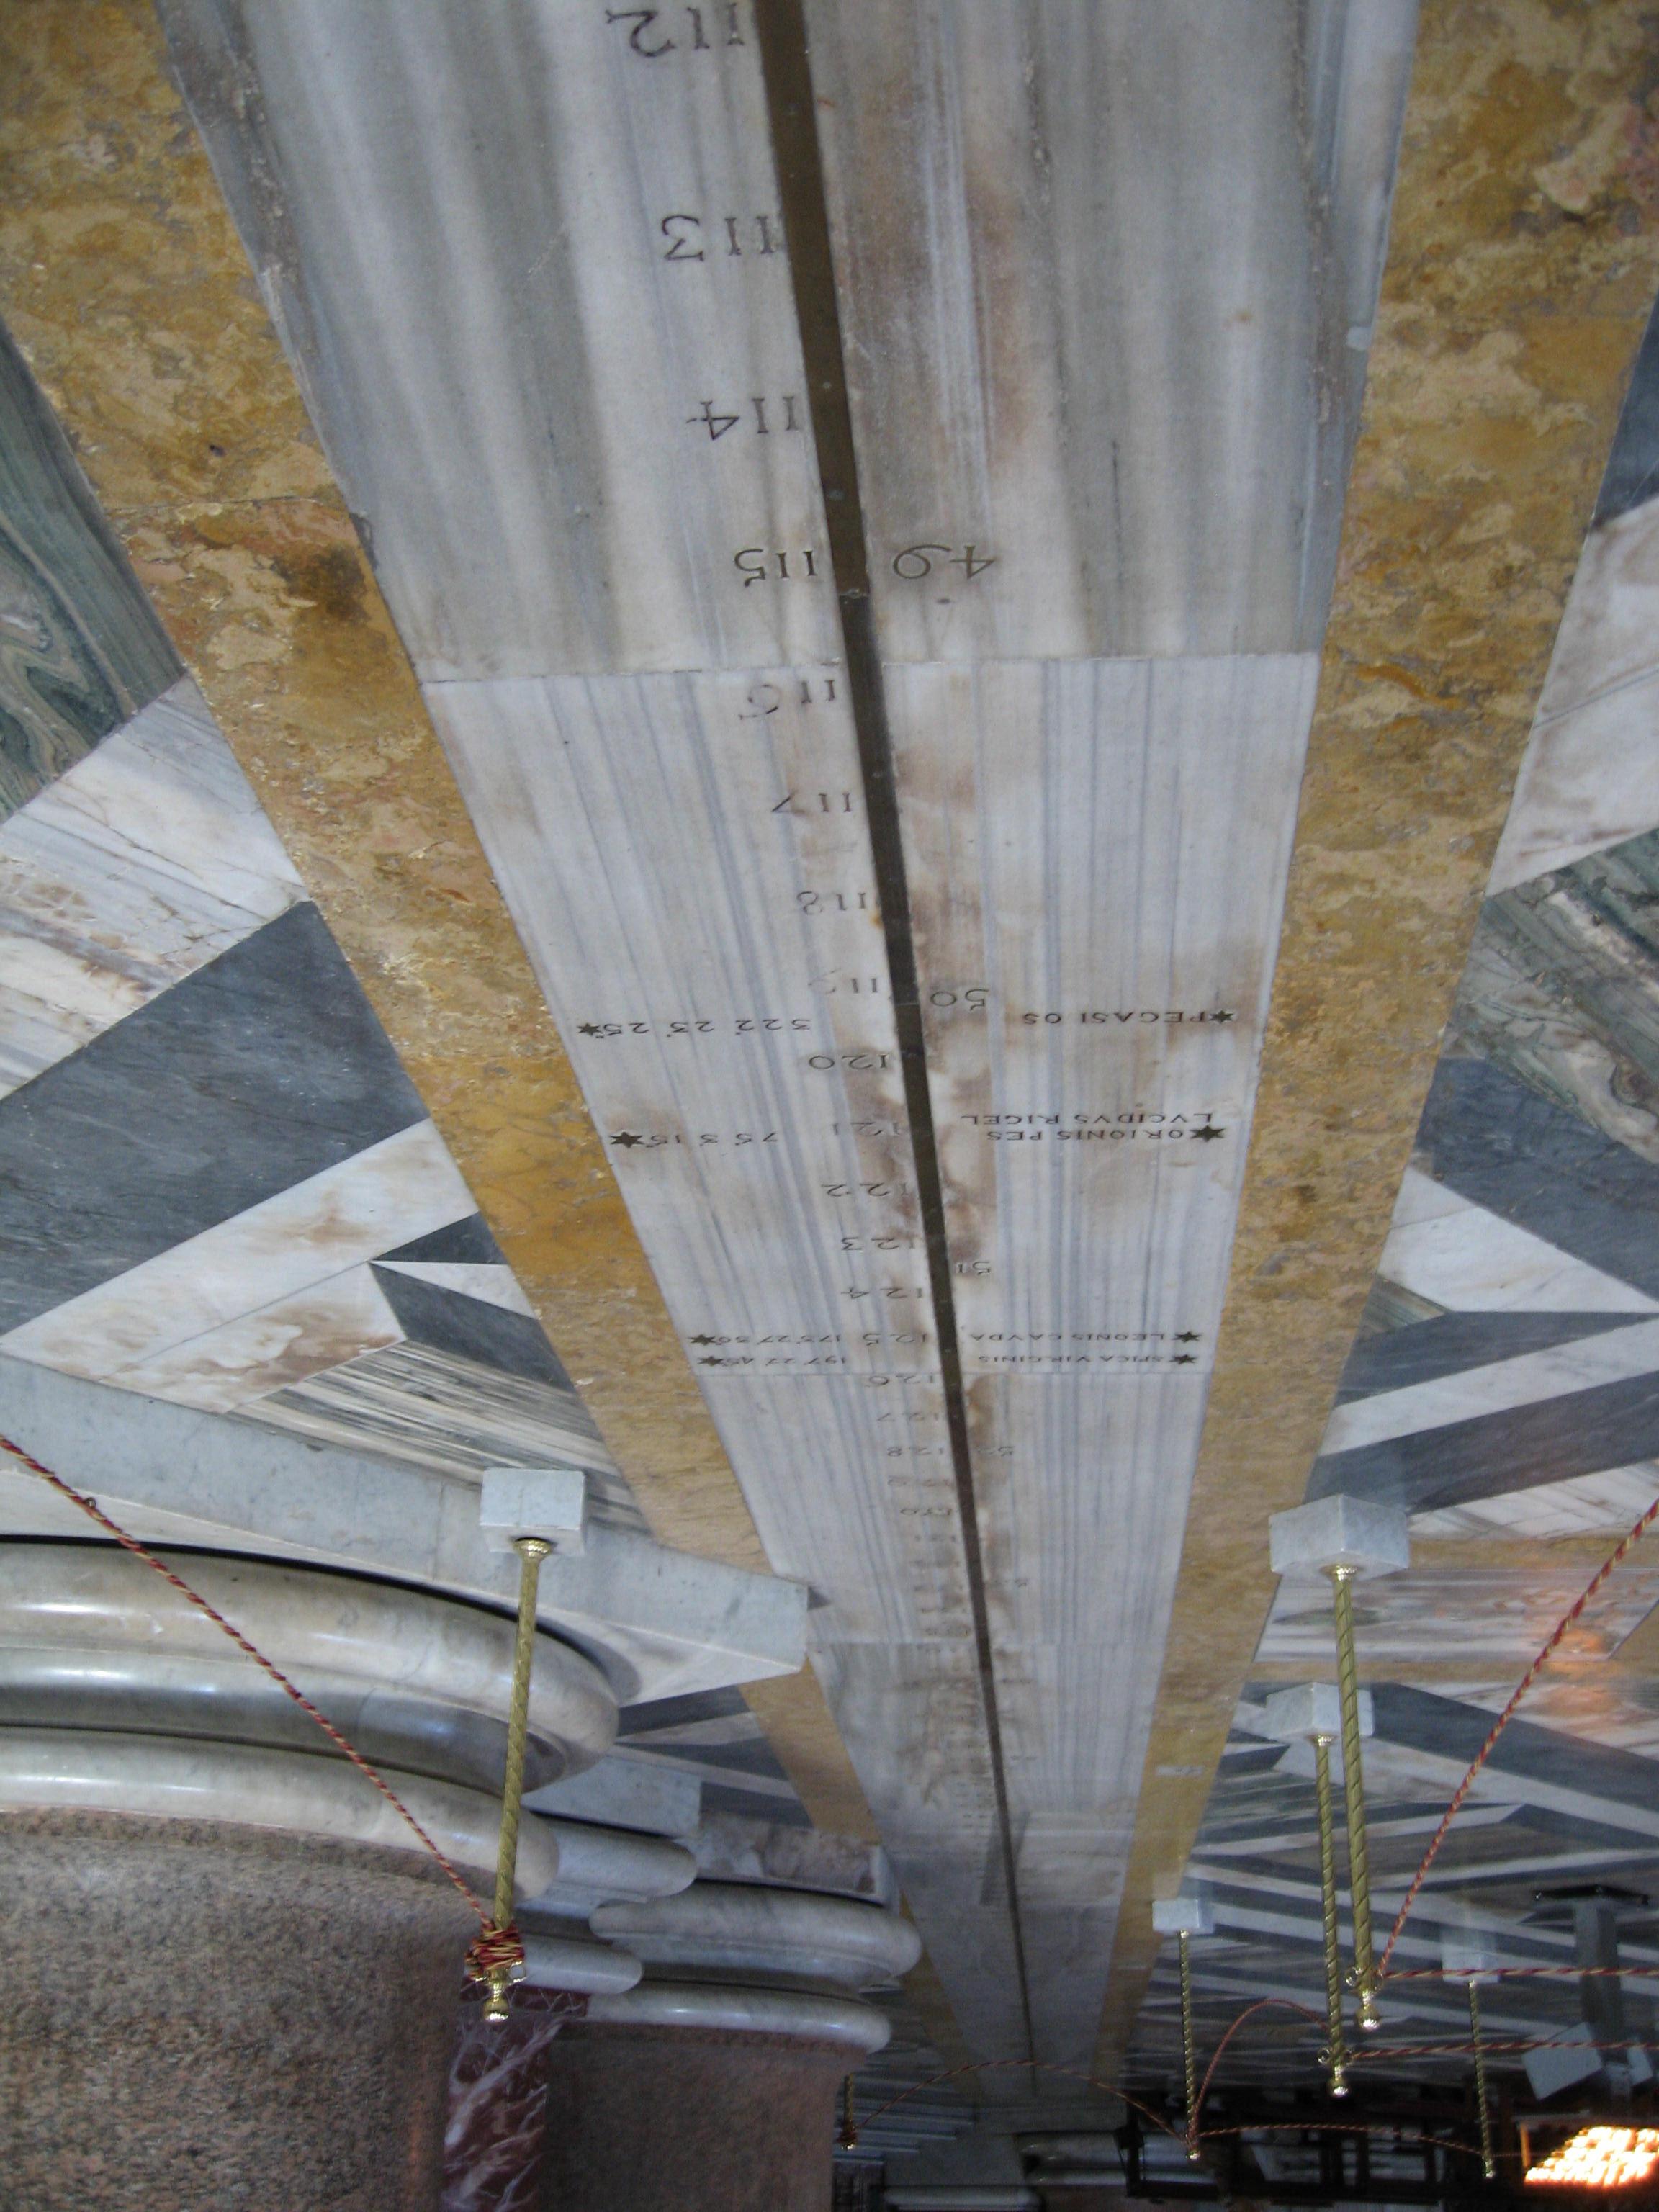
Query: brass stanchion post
(1488, 2163)
(531, 1551)
(1188, 2052)
(1354, 1787)
(1334, 2055)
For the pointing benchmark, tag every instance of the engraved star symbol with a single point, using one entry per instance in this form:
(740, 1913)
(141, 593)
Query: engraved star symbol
(705, 1340)
(588, 1029)
(1223, 1018)
(711, 1362)
(627, 1139)
(1183, 1359)
(1208, 1134)
(1185, 1336)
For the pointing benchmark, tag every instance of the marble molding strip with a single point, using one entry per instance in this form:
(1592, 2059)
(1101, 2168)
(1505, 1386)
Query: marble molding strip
(728, 2007)
(125, 275)
(378, 1645)
(1503, 341)
(179, 1777)
(732, 1930)
(658, 1622)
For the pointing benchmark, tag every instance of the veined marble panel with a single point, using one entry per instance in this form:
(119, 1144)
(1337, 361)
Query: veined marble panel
(139, 865)
(1097, 859)
(305, 1235)
(529, 265)
(1473, 1617)
(1446, 1248)
(81, 649)
(1604, 1505)
(688, 862)
(1589, 777)
(1106, 280)
(1611, 1357)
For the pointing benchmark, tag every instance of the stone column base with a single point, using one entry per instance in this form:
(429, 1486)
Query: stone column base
(194, 2013)
(675, 2119)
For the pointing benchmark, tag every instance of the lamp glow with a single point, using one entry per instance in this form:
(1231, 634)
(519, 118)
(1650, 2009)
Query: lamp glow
(1601, 2158)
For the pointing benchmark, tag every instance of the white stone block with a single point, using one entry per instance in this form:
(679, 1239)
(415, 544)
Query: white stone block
(1572, 2058)
(1313, 1708)
(1340, 1531)
(551, 1502)
(1471, 1954)
(1191, 1913)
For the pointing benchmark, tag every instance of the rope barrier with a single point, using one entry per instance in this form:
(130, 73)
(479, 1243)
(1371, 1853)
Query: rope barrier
(499, 1946)
(1555, 1637)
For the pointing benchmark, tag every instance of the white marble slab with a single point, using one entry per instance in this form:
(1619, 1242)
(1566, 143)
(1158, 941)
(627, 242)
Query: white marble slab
(1606, 1503)
(402, 1187)
(1615, 1356)
(1475, 1617)
(527, 262)
(224, 1368)
(717, 968)
(1446, 1248)
(1107, 275)
(1096, 856)
(1590, 775)
(142, 863)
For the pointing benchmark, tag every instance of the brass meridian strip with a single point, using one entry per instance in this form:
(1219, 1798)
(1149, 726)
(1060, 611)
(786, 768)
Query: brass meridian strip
(782, 29)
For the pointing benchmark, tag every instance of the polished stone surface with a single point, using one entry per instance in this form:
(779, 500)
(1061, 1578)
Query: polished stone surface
(650, 2119)
(205, 2015)
(82, 648)
(497, 2112)
(89, 1638)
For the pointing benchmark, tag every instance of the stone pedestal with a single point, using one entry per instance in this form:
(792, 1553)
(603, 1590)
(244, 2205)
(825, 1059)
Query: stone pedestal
(712, 2086)
(681, 2120)
(195, 2014)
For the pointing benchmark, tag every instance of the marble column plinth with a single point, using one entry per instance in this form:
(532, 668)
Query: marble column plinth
(498, 2100)
(678, 2119)
(194, 2013)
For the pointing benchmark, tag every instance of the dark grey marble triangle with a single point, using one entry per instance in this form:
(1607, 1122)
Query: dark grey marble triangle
(1497, 1142)
(1631, 476)
(258, 1071)
(680, 1712)
(462, 1242)
(1493, 1455)
(471, 1328)
(81, 649)
(1423, 1720)
(751, 1805)
(1458, 1342)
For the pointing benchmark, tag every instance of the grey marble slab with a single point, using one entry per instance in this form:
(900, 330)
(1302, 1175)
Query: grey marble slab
(81, 649)
(1107, 275)
(1521, 1156)
(248, 1076)
(1454, 1342)
(466, 1243)
(489, 1334)
(1550, 1440)
(141, 863)
(1631, 476)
